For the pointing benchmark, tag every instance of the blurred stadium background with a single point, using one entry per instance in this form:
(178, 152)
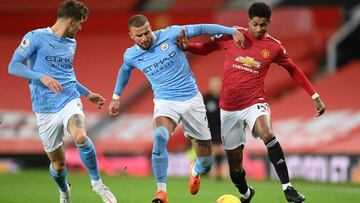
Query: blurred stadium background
(321, 36)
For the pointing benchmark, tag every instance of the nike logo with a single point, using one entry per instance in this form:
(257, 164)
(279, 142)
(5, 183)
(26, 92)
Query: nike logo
(53, 46)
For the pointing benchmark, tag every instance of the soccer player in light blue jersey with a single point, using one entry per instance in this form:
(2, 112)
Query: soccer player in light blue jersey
(55, 93)
(177, 97)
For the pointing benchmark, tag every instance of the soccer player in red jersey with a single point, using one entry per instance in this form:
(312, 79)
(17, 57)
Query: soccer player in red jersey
(243, 97)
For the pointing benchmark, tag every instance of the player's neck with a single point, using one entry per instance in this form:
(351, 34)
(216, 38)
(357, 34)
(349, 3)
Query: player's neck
(59, 28)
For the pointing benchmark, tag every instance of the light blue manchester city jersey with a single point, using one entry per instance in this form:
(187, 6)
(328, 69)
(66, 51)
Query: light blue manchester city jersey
(164, 64)
(51, 55)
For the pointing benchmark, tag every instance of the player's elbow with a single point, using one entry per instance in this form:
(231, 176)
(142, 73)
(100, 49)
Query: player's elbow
(11, 69)
(14, 69)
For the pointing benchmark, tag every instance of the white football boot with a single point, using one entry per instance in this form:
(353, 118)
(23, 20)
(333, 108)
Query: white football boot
(104, 192)
(65, 196)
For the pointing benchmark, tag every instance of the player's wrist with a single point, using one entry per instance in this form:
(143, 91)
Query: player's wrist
(115, 97)
(315, 96)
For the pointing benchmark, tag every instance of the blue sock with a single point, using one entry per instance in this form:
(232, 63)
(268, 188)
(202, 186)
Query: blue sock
(159, 157)
(203, 164)
(59, 177)
(88, 157)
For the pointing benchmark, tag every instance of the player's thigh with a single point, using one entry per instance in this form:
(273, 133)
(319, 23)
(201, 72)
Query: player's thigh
(167, 114)
(232, 129)
(73, 115)
(258, 119)
(194, 119)
(50, 130)
(74, 120)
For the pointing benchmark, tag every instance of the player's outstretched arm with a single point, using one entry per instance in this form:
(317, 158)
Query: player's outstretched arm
(196, 48)
(213, 29)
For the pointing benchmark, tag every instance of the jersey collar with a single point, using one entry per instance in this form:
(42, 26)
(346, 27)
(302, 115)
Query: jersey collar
(50, 31)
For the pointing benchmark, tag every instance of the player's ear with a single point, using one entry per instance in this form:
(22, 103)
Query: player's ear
(69, 22)
(130, 34)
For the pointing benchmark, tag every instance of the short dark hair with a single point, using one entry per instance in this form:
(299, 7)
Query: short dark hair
(137, 20)
(259, 9)
(72, 9)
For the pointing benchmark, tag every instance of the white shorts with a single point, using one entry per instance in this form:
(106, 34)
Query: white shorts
(233, 124)
(192, 113)
(52, 126)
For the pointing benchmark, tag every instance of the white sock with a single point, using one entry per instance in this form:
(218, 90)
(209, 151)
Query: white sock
(247, 194)
(96, 182)
(161, 186)
(284, 186)
(193, 172)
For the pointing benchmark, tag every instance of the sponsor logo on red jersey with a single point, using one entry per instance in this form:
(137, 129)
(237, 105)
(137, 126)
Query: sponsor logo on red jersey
(248, 61)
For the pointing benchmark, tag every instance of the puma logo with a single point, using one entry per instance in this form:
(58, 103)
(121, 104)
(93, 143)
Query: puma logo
(158, 154)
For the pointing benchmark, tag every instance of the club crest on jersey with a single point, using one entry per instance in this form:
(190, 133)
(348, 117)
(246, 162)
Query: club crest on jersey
(24, 43)
(248, 61)
(265, 53)
(164, 46)
(71, 49)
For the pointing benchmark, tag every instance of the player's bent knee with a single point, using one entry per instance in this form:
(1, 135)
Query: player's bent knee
(80, 138)
(58, 165)
(235, 168)
(266, 137)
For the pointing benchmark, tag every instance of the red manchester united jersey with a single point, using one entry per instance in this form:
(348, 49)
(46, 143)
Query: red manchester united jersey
(245, 68)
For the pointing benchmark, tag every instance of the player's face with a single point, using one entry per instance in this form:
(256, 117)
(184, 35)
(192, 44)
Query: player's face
(142, 36)
(74, 27)
(258, 26)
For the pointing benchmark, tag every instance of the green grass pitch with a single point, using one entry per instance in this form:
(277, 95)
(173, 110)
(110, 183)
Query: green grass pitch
(36, 186)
